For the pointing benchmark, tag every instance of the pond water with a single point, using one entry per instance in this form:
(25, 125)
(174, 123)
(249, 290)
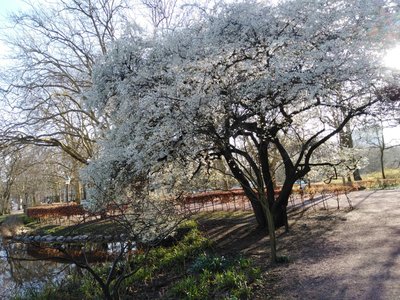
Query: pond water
(28, 267)
(20, 272)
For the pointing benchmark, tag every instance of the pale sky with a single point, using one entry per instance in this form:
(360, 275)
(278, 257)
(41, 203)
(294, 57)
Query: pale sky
(392, 136)
(9, 5)
(6, 7)
(392, 58)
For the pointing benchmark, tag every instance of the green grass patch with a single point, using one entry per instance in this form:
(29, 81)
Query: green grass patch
(19, 218)
(28, 221)
(389, 173)
(218, 215)
(208, 275)
(2, 218)
(216, 277)
(102, 227)
(161, 260)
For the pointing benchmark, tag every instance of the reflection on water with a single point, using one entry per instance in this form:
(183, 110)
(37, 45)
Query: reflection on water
(19, 272)
(25, 267)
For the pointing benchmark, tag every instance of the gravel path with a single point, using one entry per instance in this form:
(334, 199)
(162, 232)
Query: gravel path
(356, 256)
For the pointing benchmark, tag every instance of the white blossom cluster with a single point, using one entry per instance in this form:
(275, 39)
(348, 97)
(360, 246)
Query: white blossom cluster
(248, 72)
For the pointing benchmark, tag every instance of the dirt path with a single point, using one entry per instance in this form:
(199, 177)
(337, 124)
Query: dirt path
(333, 254)
(359, 258)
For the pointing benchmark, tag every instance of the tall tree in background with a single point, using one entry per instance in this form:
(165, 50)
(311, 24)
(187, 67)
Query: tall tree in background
(30, 175)
(54, 48)
(346, 137)
(9, 159)
(376, 139)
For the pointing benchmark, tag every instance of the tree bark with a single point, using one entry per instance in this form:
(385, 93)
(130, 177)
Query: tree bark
(277, 209)
(382, 164)
(279, 214)
(259, 213)
(249, 192)
(357, 175)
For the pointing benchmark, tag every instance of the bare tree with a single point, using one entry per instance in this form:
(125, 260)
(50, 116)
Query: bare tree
(54, 48)
(8, 173)
(376, 139)
(161, 12)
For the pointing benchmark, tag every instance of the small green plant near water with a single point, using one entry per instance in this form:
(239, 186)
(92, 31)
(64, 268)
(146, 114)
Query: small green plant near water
(28, 220)
(72, 287)
(216, 277)
(166, 259)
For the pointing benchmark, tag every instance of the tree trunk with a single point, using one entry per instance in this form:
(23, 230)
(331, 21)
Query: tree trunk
(19, 202)
(357, 175)
(279, 209)
(34, 198)
(382, 164)
(249, 192)
(279, 214)
(271, 233)
(258, 211)
(84, 192)
(67, 193)
(346, 140)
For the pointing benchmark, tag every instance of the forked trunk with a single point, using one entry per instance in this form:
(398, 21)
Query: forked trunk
(278, 212)
(357, 175)
(280, 216)
(258, 213)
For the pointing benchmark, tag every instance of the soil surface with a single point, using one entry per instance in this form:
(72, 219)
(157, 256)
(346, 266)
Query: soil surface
(331, 253)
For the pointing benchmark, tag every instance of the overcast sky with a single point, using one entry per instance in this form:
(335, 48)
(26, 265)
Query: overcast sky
(9, 5)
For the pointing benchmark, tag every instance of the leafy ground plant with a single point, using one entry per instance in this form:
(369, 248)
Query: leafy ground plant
(216, 277)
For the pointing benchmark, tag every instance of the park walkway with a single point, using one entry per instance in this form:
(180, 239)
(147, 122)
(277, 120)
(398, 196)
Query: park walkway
(356, 257)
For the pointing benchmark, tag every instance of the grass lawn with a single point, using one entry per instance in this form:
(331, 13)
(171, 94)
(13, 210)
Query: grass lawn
(107, 227)
(390, 174)
(21, 217)
(217, 215)
(98, 227)
(2, 218)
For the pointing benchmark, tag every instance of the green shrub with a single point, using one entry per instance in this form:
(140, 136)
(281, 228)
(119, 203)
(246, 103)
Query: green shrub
(210, 263)
(215, 277)
(169, 259)
(188, 224)
(190, 288)
(191, 245)
(143, 274)
(69, 289)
